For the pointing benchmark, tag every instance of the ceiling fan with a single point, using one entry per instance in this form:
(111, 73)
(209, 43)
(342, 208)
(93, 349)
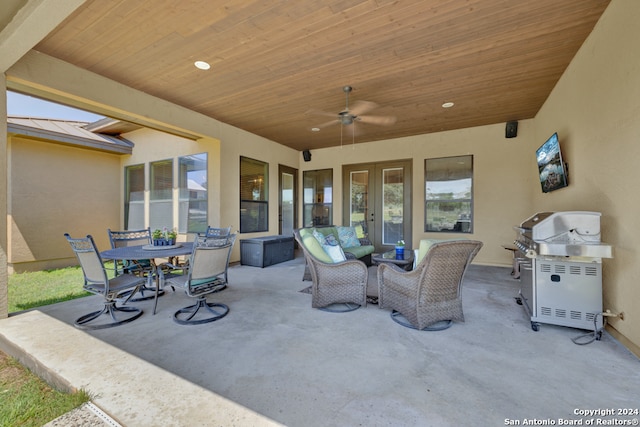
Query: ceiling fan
(350, 116)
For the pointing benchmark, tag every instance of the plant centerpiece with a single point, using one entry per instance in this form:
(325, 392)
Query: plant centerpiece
(164, 237)
(400, 249)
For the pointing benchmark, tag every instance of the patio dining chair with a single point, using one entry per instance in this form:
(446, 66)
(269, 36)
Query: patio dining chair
(207, 274)
(211, 232)
(97, 282)
(428, 297)
(218, 232)
(142, 267)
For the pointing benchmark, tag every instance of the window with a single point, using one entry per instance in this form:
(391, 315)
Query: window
(449, 195)
(318, 197)
(161, 194)
(254, 195)
(134, 197)
(192, 204)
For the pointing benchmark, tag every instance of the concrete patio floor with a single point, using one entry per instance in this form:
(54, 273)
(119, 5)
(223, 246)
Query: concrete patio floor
(274, 360)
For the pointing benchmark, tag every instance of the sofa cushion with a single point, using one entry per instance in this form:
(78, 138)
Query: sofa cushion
(360, 251)
(348, 237)
(313, 245)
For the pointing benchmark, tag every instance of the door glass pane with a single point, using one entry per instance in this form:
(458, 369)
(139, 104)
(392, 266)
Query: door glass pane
(160, 195)
(392, 205)
(134, 197)
(359, 196)
(192, 210)
(318, 197)
(287, 204)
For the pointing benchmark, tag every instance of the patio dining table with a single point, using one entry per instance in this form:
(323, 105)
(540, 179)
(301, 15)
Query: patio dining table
(150, 252)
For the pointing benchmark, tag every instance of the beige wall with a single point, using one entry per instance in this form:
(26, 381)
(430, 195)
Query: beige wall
(501, 189)
(595, 108)
(55, 189)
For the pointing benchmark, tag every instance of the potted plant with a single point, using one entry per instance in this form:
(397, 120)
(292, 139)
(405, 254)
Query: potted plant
(400, 249)
(164, 237)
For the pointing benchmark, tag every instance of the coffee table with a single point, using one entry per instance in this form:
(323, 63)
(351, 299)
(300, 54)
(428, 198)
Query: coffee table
(389, 257)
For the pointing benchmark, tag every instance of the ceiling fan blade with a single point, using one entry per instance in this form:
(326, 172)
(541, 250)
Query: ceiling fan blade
(329, 123)
(361, 107)
(378, 120)
(319, 113)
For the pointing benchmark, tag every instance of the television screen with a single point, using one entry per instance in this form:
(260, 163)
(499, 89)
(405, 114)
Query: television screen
(553, 173)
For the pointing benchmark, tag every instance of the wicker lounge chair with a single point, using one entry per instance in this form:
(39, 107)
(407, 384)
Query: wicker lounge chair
(428, 298)
(96, 281)
(337, 287)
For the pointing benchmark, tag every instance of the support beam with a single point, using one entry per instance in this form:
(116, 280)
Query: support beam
(4, 280)
(46, 77)
(30, 24)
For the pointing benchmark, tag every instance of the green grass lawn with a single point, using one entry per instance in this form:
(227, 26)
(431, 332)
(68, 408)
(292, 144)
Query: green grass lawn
(35, 289)
(25, 399)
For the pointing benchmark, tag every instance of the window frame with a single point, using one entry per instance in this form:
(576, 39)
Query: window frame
(315, 195)
(464, 218)
(254, 195)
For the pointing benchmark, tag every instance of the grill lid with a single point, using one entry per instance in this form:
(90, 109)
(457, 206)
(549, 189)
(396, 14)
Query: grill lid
(572, 233)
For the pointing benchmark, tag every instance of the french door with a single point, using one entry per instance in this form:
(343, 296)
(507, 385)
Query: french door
(377, 196)
(287, 208)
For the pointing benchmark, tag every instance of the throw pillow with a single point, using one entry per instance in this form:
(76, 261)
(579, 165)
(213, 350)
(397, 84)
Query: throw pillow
(348, 237)
(319, 236)
(335, 252)
(330, 240)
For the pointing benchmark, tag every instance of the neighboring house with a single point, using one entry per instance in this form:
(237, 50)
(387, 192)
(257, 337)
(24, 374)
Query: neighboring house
(60, 179)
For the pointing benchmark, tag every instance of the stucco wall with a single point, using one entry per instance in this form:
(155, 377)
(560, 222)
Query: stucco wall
(595, 108)
(501, 185)
(56, 189)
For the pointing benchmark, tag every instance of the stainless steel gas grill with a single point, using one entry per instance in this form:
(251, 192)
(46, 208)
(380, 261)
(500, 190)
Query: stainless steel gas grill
(560, 263)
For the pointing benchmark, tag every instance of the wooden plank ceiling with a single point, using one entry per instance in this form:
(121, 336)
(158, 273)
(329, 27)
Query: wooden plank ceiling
(276, 64)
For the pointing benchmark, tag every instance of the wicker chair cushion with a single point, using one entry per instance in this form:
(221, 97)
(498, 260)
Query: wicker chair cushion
(313, 246)
(348, 237)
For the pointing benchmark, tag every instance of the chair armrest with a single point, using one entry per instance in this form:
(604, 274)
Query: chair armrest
(349, 271)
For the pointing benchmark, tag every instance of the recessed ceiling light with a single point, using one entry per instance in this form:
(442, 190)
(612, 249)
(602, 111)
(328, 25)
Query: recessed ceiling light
(315, 129)
(202, 65)
(448, 105)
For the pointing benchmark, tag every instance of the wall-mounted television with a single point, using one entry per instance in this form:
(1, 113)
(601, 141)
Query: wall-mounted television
(552, 169)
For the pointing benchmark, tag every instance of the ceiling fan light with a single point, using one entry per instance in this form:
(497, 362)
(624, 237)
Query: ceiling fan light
(448, 105)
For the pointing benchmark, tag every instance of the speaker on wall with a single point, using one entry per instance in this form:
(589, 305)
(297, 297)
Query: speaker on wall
(306, 154)
(511, 131)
